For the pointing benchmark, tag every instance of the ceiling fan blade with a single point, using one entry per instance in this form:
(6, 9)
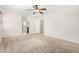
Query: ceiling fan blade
(41, 12)
(34, 12)
(43, 9)
(35, 6)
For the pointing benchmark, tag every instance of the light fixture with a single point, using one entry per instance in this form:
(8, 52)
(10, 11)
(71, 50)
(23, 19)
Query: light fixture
(36, 11)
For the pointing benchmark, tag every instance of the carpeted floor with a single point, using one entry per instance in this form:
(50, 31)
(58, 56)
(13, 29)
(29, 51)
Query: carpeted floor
(36, 43)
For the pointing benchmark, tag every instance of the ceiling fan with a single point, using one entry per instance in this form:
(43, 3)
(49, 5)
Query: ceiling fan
(37, 9)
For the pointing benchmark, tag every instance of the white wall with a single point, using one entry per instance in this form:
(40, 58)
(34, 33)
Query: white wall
(12, 23)
(63, 23)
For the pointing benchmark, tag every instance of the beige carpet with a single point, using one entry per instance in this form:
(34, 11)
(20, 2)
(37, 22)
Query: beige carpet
(36, 43)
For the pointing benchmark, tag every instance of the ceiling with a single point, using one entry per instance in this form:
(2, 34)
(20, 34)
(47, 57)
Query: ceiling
(24, 8)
